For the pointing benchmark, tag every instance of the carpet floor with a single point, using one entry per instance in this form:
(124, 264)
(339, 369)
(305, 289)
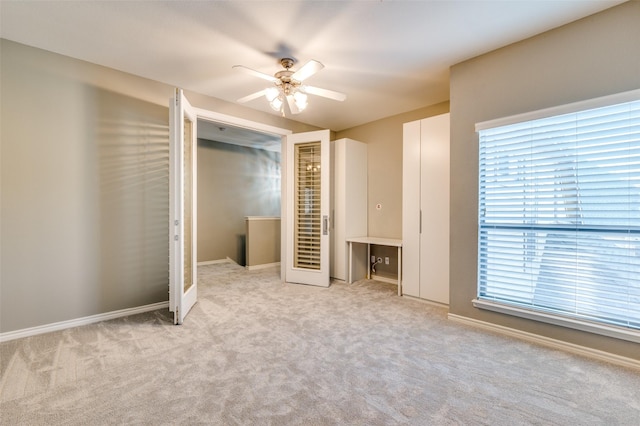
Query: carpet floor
(256, 351)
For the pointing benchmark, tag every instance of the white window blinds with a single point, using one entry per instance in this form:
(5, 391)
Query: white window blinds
(307, 230)
(559, 215)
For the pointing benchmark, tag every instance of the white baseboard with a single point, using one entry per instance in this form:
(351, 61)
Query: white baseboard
(549, 342)
(426, 302)
(56, 326)
(384, 279)
(213, 262)
(263, 266)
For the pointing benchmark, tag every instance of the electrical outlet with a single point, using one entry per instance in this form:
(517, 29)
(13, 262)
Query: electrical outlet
(386, 260)
(373, 259)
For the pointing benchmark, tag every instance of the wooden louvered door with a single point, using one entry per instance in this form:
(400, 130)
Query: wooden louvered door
(307, 218)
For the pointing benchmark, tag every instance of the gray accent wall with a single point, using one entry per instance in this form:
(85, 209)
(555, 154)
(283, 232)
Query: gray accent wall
(84, 192)
(592, 57)
(233, 182)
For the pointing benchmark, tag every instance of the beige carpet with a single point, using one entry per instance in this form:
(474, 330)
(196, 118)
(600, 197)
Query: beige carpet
(257, 351)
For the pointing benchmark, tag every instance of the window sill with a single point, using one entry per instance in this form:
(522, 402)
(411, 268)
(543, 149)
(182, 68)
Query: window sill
(590, 327)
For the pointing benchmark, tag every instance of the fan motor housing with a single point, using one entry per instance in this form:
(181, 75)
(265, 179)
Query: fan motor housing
(284, 76)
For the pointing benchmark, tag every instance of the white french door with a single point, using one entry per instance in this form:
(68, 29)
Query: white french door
(307, 208)
(183, 289)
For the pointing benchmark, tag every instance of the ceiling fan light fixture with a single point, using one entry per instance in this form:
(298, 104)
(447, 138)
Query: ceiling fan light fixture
(288, 86)
(271, 93)
(300, 99)
(276, 104)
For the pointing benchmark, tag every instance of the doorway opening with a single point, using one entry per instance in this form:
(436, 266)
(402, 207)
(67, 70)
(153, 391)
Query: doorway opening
(239, 189)
(183, 198)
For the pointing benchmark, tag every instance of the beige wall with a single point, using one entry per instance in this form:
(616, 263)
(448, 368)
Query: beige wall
(233, 182)
(84, 186)
(384, 144)
(596, 56)
(263, 240)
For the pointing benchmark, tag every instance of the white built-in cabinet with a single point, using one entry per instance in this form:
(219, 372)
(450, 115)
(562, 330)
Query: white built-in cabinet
(425, 209)
(349, 206)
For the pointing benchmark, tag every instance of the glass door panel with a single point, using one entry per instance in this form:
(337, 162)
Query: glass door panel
(183, 290)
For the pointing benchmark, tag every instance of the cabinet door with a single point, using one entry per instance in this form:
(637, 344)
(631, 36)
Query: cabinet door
(434, 200)
(355, 206)
(411, 209)
(349, 206)
(334, 235)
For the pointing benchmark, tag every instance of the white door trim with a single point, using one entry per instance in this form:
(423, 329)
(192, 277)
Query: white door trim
(217, 117)
(240, 122)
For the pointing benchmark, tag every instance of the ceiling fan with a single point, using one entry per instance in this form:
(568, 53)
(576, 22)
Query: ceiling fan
(288, 86)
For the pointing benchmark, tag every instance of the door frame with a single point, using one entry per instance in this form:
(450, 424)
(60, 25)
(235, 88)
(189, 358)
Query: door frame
(208, 115)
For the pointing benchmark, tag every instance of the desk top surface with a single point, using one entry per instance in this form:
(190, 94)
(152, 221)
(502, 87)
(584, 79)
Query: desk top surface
(376, 241)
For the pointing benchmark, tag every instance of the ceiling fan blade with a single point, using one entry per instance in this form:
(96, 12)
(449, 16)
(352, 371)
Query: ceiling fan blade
(252, 96)
(292, 105)
(336, 96)
(307, 70)
(256, 73)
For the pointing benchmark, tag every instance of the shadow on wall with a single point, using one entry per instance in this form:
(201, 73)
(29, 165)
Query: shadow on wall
(132, 140)
(242, 250)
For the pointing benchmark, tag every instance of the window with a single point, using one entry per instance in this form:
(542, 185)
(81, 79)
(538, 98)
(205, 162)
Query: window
(559, 217)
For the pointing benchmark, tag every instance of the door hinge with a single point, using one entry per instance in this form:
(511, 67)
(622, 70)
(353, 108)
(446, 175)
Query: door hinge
(176, 237)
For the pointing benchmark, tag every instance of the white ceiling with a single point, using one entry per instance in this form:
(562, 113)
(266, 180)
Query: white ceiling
(389, 57)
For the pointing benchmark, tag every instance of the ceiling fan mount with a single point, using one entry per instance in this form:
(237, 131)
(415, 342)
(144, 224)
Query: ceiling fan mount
(288, 86)
(287, 62)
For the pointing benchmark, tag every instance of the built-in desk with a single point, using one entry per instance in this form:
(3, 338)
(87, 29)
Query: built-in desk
(391, 242)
